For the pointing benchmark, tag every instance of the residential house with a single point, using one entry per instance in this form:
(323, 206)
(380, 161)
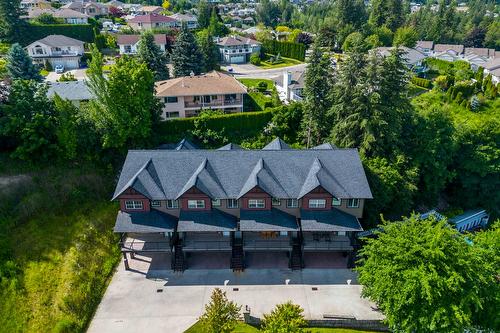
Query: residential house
(243, 205)
(425, 46)
(290, 85)
(492, 68)
(39, 4)
(237, 49)
(90, 8)
(129, 44)
(147, 10)
(57, 50)
(74, 91)
(68, 16)
(448, 52)
(477, 57)
(151, 21)
(187, 96)
(412, 57)
(190, 20)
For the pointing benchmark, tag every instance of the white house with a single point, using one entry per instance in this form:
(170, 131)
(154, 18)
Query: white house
(493, 67)
(237, 49)
(129, 44)
(290, 85)
(57, 50)
(191, 21)
(425, 46)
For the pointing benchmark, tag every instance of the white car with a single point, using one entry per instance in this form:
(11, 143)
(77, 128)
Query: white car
(59, 69)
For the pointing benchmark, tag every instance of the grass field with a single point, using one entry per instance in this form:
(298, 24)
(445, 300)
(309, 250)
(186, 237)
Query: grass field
(257, 101)
(57, 249)
(245, 328)
(265, 64)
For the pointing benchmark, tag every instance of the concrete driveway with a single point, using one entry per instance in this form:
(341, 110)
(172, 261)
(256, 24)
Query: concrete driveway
(163, 301)
(80, 74)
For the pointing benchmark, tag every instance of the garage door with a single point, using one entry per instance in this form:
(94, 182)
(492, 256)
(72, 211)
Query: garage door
(238, 59)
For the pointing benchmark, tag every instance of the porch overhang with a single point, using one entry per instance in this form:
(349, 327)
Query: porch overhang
(328, 220)
(144, 222)
(205, 221)
(267, 220)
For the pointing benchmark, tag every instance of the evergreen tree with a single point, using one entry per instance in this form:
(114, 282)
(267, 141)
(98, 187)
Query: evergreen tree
(208, 50)
(387, 12)
(350, 12)
(203, 14)
(11, 26)
(20, 66)
(216, 27)
(186, 56)
(315, 124)
(151, 54)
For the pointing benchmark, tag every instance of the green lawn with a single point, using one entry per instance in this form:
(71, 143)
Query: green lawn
(257, 101)
(57, 249)
(265, 64)
(245, 328)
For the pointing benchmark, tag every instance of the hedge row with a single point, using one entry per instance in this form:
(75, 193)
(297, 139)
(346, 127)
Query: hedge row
(285, 49)
(424, 83)
(237, 125)
(34, 32)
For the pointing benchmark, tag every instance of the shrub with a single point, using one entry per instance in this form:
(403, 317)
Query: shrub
(255, 59)
(67, 77)
(220, 315)
(47, 66)
(262, 86)
(421, 82)
(287, 49)
(286, 317)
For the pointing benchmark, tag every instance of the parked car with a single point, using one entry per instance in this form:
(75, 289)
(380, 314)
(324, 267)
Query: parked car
(59, 69)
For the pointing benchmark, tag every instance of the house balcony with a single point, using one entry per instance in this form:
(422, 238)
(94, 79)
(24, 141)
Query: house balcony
(265, 241)
(210, 241)
(143, 243)
(214, 104)
(325, 242)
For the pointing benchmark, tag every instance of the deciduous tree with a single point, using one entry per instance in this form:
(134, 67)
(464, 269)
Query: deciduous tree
(220, 315)
(284, 318)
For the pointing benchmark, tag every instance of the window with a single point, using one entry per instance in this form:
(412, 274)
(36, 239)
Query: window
(216, 203)
(206, 99)
(133, 204)
(353, 203)
(171, 99)
(232, 203)
(155, 203)
(317, 203)
(336, 202)
(194, 204)
(283, 233)
(292, 203)
(38, 50)
(256, 203)
(174, 114)
(172, 204)
(214, 97)
(128, 48)
(276, 202)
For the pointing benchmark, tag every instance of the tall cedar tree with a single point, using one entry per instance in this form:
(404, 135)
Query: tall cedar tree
(208, 49)
(315, 124)
(204, 12)
(11, 25)
(220, 315)
(151, 54)
(427, 277)
(186, 56)
(125, 107)
(350, 12)
(387, 12)
(20, 66)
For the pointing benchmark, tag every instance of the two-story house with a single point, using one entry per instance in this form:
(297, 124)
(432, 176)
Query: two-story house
(57, 50)
(242, 204)
(69, 16)
(190, 20)
(237, 49)
(151, 21)
(128, 44)
(187, 96)
(91, 8)
(290, 85)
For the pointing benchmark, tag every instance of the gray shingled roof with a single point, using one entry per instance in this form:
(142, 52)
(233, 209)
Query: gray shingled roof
(267, 220)
(60, 41)
(230, 146)
(328, 220)
(71, 90)
(325, 146)
(145, 222)
(229, 174)
(277, 144)
(205, 220)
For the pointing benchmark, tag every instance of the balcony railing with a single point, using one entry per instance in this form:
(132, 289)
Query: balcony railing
(332, 243)
(206, 245)
(213, 104)
(267, 244)
(145, 246)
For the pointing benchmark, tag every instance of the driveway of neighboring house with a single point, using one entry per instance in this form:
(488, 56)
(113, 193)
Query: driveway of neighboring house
(80, 74)
(146, 300)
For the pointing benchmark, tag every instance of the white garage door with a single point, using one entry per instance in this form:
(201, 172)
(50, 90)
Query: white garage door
(238, 59)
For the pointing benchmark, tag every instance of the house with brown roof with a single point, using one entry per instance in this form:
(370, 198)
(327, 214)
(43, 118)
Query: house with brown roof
(146, 10)
(129, 44)
(186, 96)
(90, 8)
(151, 21)
(237, 49)
(69, 16)
(425, 46)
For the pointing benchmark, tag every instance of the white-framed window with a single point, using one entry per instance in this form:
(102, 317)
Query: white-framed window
(276, 202)
(133, 205)
(283, 233)
(232, 203)
(155, 203)
(336, 202)
(256, 203)
(216, 203)
(193, 204)
(353, 203)
(317, 203)
(292, 203)
(341, 233)
(172, 204)
(128, 48)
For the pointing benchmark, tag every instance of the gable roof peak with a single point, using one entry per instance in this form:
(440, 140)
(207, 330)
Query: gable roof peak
(277, 144)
